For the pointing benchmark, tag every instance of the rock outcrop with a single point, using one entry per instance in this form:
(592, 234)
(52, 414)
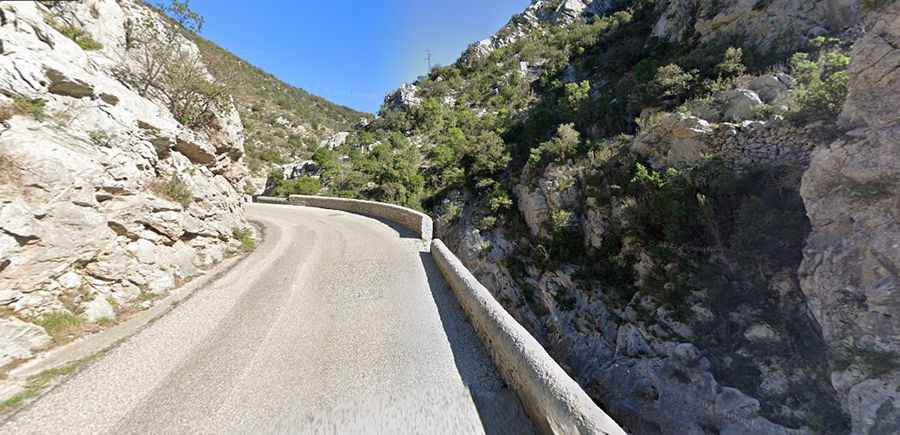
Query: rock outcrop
(851, 267)
(538, 13)
(773, 25)
(104, 195)
(404, 98)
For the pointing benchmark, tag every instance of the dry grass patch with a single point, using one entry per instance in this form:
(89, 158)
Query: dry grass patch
(61, 325)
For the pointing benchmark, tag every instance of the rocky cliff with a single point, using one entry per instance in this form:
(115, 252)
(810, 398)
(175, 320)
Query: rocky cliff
(851, 265)
(107, 199)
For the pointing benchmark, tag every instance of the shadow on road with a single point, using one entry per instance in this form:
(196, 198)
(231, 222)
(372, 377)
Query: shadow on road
(498, 407)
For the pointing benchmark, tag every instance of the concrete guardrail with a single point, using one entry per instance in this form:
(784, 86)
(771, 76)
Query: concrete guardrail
(419, 223)
(553, 400)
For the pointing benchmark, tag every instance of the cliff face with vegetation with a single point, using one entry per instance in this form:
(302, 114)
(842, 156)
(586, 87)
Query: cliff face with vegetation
(282, 123)
(691, 204)
(123, 169)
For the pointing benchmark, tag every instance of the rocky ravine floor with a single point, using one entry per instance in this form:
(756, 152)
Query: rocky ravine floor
(313, 333)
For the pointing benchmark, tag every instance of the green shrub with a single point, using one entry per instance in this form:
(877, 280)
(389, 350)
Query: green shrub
(561, 221)
(99, 137)
(298, 186)
(30, 107)
(672, 81)
(177, 190)
(575, 96)
(561, 147)
(245, 236)
(732, 65)
(822, 86)
(452, 212)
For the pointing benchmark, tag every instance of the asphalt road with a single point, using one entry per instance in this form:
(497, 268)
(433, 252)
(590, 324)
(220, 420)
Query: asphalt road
(337, 324)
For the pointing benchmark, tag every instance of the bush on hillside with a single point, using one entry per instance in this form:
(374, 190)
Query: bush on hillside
(176, 190)
(158, 65)
(822, 86)
(297, 186)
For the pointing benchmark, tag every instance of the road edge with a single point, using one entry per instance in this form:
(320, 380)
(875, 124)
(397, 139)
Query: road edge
(555, 403)
(75, 356)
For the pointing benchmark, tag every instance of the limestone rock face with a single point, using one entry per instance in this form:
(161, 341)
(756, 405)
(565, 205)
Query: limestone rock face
(851, 263)
(104, 170)
(781, 24)
(540, 12)
(404, 98)
(874, 91)
(553, 191)
(19, 339)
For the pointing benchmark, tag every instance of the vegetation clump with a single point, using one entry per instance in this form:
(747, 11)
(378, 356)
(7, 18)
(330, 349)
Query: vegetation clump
(297, 186)
(76, 34)
(176, 190)
(158, 65)
(60, 324)
(822, 83)
(245, 236)
(33, 107)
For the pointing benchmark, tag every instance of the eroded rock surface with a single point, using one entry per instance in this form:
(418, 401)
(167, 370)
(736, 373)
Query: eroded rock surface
(104, 195)
(851, 267)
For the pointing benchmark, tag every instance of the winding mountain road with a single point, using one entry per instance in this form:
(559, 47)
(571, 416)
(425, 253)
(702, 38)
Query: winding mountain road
(336, 324)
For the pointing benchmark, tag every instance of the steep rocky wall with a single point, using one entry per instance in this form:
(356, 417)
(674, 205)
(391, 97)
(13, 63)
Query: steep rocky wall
(851, 266)
(106, 200)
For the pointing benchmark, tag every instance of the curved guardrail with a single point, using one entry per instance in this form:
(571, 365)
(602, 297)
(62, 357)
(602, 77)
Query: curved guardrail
(419, 223)
(553, 400)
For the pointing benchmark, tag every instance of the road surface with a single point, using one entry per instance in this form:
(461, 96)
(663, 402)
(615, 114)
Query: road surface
(336, 324)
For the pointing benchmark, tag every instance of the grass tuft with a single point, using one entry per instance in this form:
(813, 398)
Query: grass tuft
(245, 236)
(30, 107)
(59, 324)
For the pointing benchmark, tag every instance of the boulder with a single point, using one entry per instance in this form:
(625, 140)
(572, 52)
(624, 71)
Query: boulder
(771, 87)
(740, 104)
(19, 339)
(197, 151)
(99, 309)
(671, 138)
(534, 209)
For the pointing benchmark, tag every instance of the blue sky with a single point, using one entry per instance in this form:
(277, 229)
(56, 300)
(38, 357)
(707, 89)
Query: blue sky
(352, 52)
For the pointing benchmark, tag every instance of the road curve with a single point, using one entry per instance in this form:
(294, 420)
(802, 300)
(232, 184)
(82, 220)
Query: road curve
(337, 324)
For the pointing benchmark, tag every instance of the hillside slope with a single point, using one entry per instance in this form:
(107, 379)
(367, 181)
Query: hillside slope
(282, 123)
(678, 198)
